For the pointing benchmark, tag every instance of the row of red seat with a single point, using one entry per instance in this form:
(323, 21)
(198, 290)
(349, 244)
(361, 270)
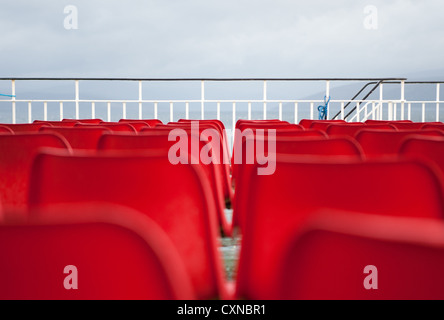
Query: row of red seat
(180, 206)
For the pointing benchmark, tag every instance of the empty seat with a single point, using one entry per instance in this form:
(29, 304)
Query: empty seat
(378, 122)
(327, 148)
(344, 256)
(150, 141)
(4, 129)
(149, 122)
(17, 154)
(377, 143)
(80, 137)
(114, 127)
(351, 129)
(433, 126)
(408, 125)
(117, 253)
(68, 124)
(425, 148)
(269, 121)
(26, 127)
(279, 204)
(90, 121)
(323, 124)
(176, 197)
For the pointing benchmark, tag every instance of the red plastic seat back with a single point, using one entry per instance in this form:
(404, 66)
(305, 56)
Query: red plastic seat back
(26, 127)
(80, 137)
(86, 121)
(117, 254)
(379, 143)
(433, 126)
(68, 124)
(149, 122)
(323, 124)
(351, 129)
(408, 126)
(280, 203)
(17, 153)
(114, 127)
(379, 122)
(4, 129)
(174, 196)
(339, 148)
(337, 254)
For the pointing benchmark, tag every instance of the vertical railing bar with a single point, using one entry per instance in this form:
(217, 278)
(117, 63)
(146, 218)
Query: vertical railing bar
(249, 110)
(312, 110)
(14, 119)
(45, 111)
(187, 110)
(395, 111)
(437, 101)
(109, 112)
(381, 99)
(140, 100)
(30, 112)
(296, 113)
(409, 111)
(280, 111)
(171, 112)
(93, 110)
(124, 110)
(327, 95)
(77, 99)
(358, 112)
(61, 110)
(402, 99)
(342, 110)
(202, 104)
(234, 120)
(218, 110)
(155, 110)
(423, 112)
(373, 110)
(265, 100)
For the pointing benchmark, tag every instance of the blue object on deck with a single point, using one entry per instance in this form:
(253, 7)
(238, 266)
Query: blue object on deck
(324, 109)
(7, 95)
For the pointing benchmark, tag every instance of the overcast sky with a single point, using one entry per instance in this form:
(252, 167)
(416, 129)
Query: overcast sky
(223, 38)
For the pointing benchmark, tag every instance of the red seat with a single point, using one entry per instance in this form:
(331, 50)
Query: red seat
(351, 129)
(433, 126)
(223, 167)
(377, 143)
(175, 196)
(149, 122)
(270, 121)
(17, 154)
(332, 148)
(329, 260)
(149, 141)
(4, 129)
(68, 124)
(26, 127)
(87, 121)
(80, 137)
(408, 125)
(425, 148)
(379, 122)
(279, 204)
(114, 127)
(118, 254)
(323, 124)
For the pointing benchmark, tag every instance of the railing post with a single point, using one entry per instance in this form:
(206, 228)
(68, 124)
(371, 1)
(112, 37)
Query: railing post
(381, 99)
(124, 110)
(280, 111)
(437, 101)
(342, 110)
(187, 110)
(140, 100)
(218, 111)
(249, 110)
(93, 110)
(109, 111)
(402, 99)
(77, 99)
(30, 112)
(155, 111)
(202, 104)
(423, 112)
(296, 116)
(14, 120)
(265, 100)
(61, 110)
(327, 95)
(45, 111)
(171, 112)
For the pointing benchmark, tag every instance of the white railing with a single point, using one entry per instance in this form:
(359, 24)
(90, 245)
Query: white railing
(227, 109)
